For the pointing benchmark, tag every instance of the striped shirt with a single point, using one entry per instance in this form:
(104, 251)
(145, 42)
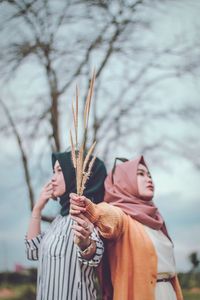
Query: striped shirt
(62, 273)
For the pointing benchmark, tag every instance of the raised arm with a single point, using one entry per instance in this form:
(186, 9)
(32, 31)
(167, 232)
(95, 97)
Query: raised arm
(34, 224)
(34, 236)
(108, 218)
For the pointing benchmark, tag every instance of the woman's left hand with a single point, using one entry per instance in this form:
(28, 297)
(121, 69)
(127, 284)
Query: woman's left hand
(82, 231)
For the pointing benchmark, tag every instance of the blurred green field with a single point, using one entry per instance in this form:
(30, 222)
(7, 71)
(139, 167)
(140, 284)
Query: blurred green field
(188, 295)
(18, 292)
(27, 292)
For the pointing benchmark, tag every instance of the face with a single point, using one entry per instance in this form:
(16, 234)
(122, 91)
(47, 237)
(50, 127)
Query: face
(58, 182)
(145, 183)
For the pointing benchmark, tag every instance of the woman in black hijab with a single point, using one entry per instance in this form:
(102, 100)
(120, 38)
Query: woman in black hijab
(66, 270)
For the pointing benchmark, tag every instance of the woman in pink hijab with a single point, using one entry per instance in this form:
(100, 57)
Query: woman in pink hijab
(139, 259)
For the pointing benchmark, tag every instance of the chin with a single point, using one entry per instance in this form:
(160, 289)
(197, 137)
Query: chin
(148, 196)
(58, 194)
(55, 195)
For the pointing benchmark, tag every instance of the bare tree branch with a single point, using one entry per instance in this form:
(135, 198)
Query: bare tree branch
(22, 152)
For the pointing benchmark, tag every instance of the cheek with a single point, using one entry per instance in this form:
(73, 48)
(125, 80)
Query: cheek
(140, 184)
(61, 182)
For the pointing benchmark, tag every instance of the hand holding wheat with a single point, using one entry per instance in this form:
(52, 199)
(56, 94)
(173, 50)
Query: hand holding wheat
(82, 161)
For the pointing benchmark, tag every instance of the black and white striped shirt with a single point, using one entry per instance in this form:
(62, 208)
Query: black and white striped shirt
(62, 273)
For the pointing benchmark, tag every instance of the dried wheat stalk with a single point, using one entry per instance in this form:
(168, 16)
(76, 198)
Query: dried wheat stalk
(80, 161)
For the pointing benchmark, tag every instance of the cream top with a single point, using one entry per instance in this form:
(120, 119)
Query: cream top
(164, 251)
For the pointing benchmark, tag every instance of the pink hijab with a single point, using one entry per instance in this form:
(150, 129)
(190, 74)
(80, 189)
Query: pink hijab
(121, 190)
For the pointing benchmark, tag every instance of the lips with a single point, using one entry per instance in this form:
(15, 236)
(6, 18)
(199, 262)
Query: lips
(150, 187)
(54, 186)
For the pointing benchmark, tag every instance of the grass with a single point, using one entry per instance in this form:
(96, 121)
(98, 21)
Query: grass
(190, 295)
(19, 292)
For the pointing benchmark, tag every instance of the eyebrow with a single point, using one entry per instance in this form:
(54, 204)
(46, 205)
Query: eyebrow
(56, 167)
(141, 170)
(144, 171)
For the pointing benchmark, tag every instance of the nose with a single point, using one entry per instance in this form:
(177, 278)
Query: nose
(53, 178)
(149, 180)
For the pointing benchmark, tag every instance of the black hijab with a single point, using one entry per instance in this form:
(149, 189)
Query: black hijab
(94, 189)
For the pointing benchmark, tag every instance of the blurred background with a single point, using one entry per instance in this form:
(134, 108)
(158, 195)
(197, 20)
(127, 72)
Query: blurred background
(146, 54)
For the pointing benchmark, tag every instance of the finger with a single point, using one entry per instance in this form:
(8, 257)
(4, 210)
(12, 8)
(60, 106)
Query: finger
(75, 217)
(74, 196)
(82, 222)
(80, 232)
(86, 225)
(49, 194)
(77, 202)
(49, 189)
(80, 229)
(84, 218)
(82, 198)
(48, 183)
(79, 235)
(79, 219)
(83, 235)
(76, 207)
(74, 212)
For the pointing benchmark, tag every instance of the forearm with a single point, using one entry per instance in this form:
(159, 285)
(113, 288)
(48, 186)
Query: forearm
(95, 252)
(34, 225)
(107, 218)
(88, 252)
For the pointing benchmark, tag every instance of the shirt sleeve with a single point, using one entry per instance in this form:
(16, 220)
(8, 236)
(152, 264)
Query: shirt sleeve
(32, 246)
(95, 260)
(109, 219)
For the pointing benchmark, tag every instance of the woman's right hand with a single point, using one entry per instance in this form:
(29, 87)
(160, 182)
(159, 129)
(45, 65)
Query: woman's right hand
(45, 195)
(77, 204)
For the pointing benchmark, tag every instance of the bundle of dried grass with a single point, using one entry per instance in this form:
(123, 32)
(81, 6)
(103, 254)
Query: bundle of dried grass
(81, 162)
